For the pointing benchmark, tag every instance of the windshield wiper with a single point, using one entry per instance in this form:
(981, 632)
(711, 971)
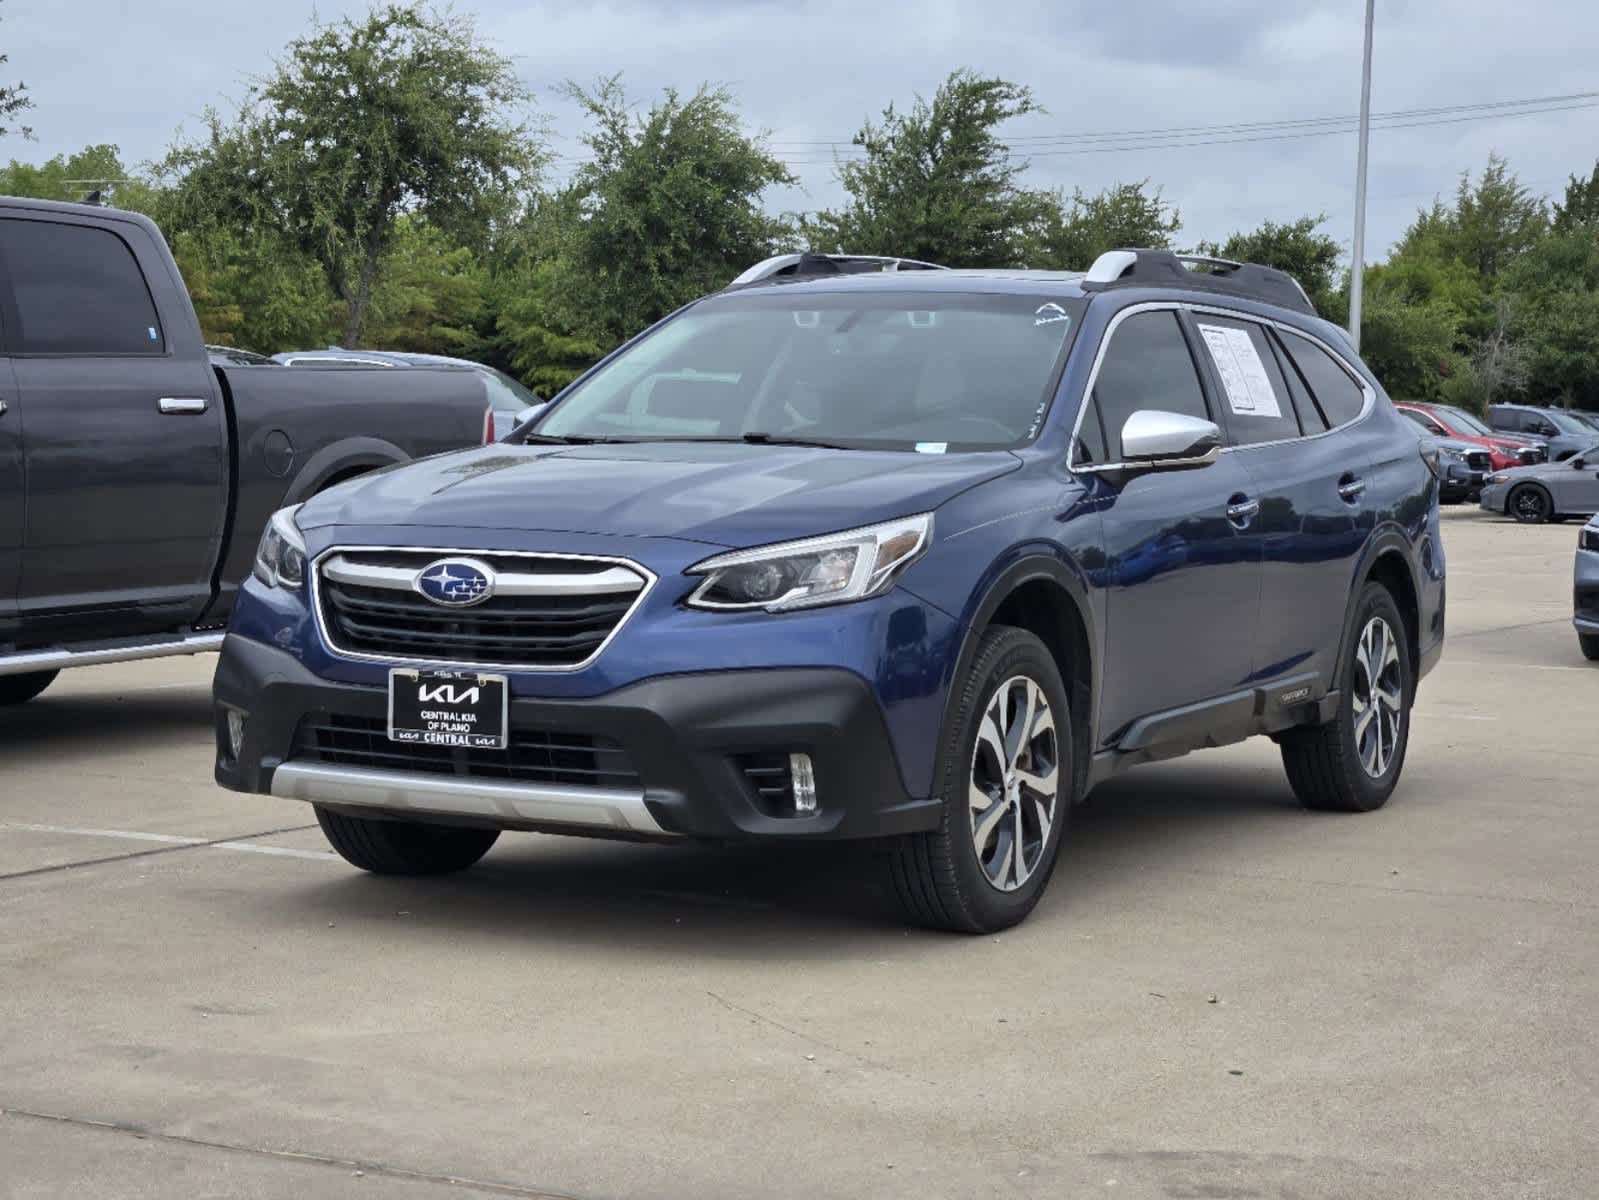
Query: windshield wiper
(778, 439)
(572, 439)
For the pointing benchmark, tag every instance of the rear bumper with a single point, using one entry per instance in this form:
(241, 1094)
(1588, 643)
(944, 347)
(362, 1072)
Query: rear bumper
(682, 737)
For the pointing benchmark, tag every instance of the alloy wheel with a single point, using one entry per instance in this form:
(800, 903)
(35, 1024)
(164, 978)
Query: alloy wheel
(1378, 696)
(1015, 783)
(1530, 504)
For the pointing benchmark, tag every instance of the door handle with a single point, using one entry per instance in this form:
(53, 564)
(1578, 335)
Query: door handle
(1242, 512)
(4, 408)
(179, 406)
(1350, 490)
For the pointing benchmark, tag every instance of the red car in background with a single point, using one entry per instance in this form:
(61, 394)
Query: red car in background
(1506, 449)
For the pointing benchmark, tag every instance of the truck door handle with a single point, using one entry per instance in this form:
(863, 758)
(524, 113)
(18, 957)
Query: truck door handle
(1241, 511)
(180, 406)
(1350, 489)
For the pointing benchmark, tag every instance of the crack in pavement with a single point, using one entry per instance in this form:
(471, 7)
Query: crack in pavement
(186, 844)
(387, 1170)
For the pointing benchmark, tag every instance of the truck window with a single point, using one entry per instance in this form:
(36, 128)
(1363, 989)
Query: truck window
(77, 290)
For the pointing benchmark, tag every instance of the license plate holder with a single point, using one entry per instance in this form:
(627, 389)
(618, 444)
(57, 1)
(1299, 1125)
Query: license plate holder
(449, 708)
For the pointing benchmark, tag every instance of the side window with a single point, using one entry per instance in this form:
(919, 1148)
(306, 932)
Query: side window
(78, 290)
(1254, 394)
(1147, 366)
(1502, 419)
(1425, 422)
(1541, 426)
(1335, 391)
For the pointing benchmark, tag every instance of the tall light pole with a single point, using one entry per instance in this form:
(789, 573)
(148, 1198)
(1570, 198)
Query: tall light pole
(1357, 275)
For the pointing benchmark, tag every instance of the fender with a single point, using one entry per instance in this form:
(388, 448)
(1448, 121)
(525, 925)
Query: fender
(357, 453)
(1388, 536)
(1030, 563)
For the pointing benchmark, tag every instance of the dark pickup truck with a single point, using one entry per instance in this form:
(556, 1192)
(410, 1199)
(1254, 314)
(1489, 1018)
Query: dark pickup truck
(137, 466)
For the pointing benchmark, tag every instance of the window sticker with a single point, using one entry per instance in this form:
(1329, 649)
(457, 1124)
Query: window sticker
(1243, 375)
(1049, 314)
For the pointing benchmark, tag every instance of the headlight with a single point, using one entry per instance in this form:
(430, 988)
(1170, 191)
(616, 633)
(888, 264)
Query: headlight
(280, 556)
(1499, 477)
(1588, 538)
(824, 570)
(1455, 456)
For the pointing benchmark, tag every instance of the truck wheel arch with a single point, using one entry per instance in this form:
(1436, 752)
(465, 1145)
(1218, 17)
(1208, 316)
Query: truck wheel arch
(340, 461)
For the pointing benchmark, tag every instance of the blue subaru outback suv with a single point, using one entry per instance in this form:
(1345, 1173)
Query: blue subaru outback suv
(861, 548)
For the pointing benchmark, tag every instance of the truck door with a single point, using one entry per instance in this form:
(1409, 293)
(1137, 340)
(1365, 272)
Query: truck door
(10, 496)
(122, 434)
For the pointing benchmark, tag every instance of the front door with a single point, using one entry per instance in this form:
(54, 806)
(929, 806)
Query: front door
(1183, 567)
(125, 445)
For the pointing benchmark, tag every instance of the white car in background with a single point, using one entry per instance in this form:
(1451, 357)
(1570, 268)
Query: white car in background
(510, 400)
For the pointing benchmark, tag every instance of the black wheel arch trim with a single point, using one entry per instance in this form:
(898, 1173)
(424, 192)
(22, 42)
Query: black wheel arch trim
(1385, 540)
(358, 453)
(1030, 566)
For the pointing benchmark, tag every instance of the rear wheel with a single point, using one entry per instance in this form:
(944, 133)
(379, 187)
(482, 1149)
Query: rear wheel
(1530, 504)
(1590, 646)
(403, 847)
(1352, 763)
(1005, 772)
(19, 689)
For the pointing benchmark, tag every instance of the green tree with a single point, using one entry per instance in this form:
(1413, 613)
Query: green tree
(1126, 216)
(938, 183)
(1297, 247)
(667, 208)
(1580, 207)
(1491, 222)
(73, 176)
(405, 111)
(431, 294)
(1556, 290)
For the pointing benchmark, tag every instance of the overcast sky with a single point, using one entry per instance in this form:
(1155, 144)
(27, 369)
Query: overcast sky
(810, 70)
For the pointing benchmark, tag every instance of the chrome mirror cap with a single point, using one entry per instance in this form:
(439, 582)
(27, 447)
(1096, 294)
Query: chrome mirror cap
(1157, 439)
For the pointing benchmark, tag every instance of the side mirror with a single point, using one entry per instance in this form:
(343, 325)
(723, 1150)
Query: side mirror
(531, 411)
(1168, 441)
(1578, 463)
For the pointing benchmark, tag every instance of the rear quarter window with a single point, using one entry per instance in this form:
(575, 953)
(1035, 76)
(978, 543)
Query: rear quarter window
(1340, 398)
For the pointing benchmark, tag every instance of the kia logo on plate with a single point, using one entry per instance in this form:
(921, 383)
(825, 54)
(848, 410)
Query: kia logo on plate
(456, 582)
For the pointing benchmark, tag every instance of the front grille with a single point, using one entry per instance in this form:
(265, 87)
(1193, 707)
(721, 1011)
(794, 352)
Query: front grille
(547, 613)
(1479, 460)
(531, 756)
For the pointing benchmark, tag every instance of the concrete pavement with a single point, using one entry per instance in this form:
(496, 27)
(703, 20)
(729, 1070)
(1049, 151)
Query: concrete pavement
(1221, 995)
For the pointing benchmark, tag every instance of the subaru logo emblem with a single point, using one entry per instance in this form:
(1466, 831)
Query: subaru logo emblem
(456, 582)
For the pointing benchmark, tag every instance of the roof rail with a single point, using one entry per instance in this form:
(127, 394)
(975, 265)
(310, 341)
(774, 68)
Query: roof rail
(1162, 268)
(811, 266)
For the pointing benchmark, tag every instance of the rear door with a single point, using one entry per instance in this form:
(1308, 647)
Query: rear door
(1311, 477)
(124, 443)
(1183, 574)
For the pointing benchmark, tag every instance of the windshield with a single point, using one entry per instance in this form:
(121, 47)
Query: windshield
(928, 372)
(1464, 420)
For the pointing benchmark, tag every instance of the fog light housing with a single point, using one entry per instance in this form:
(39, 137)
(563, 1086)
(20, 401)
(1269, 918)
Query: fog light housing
(803, 776)
(235, 733)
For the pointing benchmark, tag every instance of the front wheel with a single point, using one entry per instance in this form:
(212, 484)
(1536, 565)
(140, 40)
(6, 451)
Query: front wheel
(1005, 776)
(1352, 763)
(19, 689)
(1530, 504)
(403, 847)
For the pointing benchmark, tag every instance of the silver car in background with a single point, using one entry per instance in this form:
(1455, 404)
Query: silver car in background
(1548, 491)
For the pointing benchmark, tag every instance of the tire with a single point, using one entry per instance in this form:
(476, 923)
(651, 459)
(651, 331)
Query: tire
(1590, 646)
(960, 876)
(1530, 504)
(1330, 766)
(19, 689)
(403, 847)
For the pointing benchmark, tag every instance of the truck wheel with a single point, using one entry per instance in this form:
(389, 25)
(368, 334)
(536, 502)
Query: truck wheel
(403, 847)
(1352, 763)
(1590, 646)
(1530, 504)
(1004, 772)
(19, 689)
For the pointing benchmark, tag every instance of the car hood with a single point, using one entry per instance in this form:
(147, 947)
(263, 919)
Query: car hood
(722, 494)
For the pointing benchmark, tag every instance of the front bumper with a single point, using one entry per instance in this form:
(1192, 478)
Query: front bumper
(1493, 497)
(687, 739)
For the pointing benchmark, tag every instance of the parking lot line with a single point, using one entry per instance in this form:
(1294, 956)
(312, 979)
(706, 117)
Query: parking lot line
(173, 839)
